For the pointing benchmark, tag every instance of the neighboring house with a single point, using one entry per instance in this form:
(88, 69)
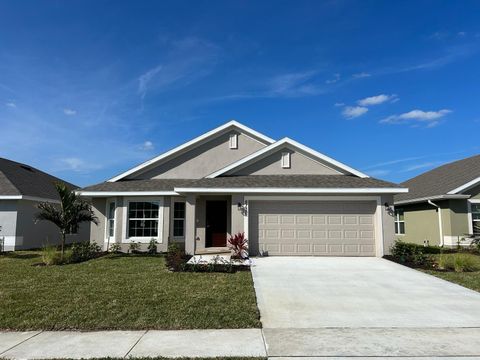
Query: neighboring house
(442, 206)
(22, 188)
(287, 198)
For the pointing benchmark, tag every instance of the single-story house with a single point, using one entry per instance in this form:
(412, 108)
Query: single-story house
(287, 198)
(22, 188)
(442, 206)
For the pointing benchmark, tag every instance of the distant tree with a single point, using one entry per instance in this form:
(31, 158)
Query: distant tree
(68, 215)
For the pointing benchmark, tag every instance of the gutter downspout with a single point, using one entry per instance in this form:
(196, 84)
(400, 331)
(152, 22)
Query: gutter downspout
(440, 227)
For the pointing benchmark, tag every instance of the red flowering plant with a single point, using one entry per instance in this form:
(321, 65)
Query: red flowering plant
(239, 246)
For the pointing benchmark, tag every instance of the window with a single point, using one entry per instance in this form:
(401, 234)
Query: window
(111, 218)
(178, 219)
(233, 141)
(285, 160)
(143, 218)
(476, 218)
(399, 222)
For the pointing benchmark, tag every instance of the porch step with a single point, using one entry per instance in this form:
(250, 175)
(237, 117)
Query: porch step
(213, 251)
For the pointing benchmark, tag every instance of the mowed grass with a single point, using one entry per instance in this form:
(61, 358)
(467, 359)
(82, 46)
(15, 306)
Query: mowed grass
(470, 280)
(120, 292)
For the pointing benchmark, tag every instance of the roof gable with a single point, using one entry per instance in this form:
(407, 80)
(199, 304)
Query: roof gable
(326, 165)
(193, 144)
(449, 179)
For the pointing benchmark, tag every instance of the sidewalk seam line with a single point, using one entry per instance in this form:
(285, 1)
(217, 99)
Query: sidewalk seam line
(21, 342)
(264, 342)
(136, 342)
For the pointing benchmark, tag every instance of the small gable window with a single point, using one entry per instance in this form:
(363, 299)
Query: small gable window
(399, 222)
(233, 141)
(286, 160)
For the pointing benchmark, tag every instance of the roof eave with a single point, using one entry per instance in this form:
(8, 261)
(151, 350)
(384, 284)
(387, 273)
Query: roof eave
(278, 190)
(435, 197)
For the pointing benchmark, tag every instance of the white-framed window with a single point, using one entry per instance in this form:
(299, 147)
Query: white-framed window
(233, 142)
(111, 219)
(399, 222)
(143, 219)
(285, 160)
(475, 211)
(178, 219)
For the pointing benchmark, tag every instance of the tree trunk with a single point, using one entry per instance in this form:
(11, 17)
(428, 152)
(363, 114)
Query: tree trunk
(63, 245)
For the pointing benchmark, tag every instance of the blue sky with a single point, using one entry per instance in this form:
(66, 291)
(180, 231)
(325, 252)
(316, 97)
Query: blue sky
(89, 89)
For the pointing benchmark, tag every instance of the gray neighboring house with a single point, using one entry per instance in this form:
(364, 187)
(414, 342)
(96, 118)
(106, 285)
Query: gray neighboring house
(22, 187)
(442, 206)
(287, 198)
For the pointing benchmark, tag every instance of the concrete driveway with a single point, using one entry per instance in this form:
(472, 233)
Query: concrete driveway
(326, 306)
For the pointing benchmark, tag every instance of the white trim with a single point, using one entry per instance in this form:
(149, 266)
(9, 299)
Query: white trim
(287, 141)
(436, 197)
(108, 238)
(466, 186)
(294, 190)
(193, 142)
(125, 193)
(378, 216)
(440, 223)
(126, 201)
(26, 197)
(469, 213)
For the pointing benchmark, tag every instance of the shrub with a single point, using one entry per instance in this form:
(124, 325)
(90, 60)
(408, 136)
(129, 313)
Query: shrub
(152, 247)
(134, 247)
(239, 245)
(412, 253)
(50, 256)
(115, 248)
(83, 251)
(458, 262)
(176, 257)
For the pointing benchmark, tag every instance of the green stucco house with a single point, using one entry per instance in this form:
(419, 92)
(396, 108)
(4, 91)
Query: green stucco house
(442, 206)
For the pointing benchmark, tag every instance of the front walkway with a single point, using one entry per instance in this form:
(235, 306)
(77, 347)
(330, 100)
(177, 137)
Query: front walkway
(119, 344)
(335, 307)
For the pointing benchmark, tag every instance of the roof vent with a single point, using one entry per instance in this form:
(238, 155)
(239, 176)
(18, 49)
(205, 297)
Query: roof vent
(28, 168)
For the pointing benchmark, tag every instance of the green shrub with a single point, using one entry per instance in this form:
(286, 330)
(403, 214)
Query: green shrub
(409, 253)
(176, 257)
(134, 247)
(51, 256)
(84, 251)
(115, 248)
(152, 247)
(458, 262)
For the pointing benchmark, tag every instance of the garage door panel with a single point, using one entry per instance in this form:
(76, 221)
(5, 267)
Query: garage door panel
(338, 228)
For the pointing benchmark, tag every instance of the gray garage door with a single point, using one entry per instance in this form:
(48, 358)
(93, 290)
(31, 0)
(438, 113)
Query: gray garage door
(335, 228)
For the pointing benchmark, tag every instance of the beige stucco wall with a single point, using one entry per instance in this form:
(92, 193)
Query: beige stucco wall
(299, 165)
(204, 159)
(8, 223)
(31, 234)
(421, 223)
(97, 233)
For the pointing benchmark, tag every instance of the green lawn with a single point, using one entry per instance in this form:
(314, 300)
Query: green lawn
(120, 292)
(470, 280)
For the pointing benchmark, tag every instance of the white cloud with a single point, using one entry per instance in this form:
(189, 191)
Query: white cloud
(429, 164)
(427, 117)
(77, 165)
(339, 104)
(361, 75)
(461, 33)
(351, 112)
(11, 104)
(188, 59)
(336, 78)
(294, 84)
(147, 146)
(69, 112)
(379, 172)
(377, 100)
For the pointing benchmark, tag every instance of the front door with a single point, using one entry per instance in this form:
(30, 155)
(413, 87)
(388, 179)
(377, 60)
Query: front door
(216, 223)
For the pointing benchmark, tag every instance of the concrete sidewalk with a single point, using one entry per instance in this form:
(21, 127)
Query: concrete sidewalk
(119, 344)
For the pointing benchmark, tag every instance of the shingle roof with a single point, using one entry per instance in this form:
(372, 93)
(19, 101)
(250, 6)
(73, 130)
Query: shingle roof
(22, 179)
(441, 180)
(251, 181)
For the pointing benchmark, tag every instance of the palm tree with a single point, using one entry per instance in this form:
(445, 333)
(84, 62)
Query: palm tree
(72, 211)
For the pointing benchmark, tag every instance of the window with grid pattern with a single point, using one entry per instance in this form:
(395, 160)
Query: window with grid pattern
(143, 218)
